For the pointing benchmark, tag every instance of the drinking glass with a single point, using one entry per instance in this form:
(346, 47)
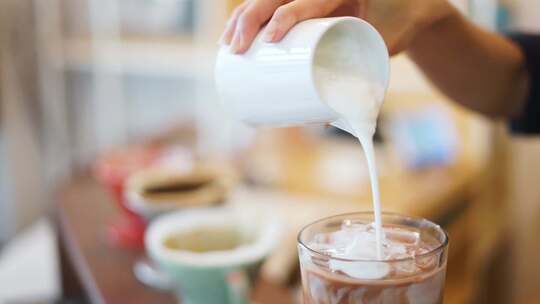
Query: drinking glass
(413, 280)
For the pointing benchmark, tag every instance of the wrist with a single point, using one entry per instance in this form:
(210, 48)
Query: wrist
(436, 20)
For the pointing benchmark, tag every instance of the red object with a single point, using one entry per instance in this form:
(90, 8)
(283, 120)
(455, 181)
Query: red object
(112, 170)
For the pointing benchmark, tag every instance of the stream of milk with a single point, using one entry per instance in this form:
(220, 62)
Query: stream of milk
(357, 101)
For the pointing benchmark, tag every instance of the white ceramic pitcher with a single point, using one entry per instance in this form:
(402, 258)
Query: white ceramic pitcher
(272, 84)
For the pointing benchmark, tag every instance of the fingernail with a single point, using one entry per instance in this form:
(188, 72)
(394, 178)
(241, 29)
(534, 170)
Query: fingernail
(237, 43)
(270, 34)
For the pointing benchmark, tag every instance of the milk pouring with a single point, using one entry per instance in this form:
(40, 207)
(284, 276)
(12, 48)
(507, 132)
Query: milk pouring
(335, 70)
(344, 85)
(330, 70)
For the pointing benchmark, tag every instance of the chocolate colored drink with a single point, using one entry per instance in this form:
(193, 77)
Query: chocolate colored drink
(339, 263)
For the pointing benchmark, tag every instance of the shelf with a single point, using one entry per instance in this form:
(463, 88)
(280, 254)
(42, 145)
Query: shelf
(180, 55)
(177, 56)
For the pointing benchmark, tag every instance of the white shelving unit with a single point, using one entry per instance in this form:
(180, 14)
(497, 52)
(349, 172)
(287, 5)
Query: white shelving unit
(175, 56)
(110, 58)
(71, 129)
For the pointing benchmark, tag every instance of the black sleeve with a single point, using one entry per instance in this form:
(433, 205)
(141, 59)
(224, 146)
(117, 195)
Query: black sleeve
(529, 120)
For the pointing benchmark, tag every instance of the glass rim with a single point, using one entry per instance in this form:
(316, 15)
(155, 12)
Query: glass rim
(441, 247)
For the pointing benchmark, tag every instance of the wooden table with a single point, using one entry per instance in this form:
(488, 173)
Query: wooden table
(93, 268)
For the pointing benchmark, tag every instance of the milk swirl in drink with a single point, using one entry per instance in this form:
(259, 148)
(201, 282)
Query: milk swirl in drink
(338, 268)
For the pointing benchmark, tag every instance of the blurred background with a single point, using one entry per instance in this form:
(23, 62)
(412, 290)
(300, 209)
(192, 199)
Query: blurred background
(81, 80)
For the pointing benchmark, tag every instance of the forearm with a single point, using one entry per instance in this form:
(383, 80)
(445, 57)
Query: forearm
(481, 70)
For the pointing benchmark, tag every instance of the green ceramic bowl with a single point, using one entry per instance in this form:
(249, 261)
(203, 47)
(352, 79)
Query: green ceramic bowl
(212, 256)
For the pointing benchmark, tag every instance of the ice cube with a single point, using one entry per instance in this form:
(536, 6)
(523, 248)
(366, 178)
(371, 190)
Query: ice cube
(350, 243)
(393, 251)
(405, 266)
(403, 236)
(366, 270)
(329, 244)
(350, 225)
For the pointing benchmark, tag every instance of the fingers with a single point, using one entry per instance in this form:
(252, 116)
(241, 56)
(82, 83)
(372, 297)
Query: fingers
(230, 27)
(256, 13)
(288, 15)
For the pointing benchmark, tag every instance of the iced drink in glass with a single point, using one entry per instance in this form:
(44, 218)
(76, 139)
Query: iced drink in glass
(339, 262)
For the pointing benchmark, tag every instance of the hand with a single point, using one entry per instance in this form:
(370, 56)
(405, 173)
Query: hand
(398, 21)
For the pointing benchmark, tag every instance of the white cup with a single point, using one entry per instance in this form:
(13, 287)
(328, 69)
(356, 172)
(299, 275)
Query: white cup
(218, 276)
(273, 84)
